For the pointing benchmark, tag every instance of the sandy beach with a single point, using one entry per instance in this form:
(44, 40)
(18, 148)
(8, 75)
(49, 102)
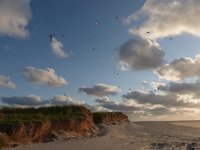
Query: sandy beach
(184, 135)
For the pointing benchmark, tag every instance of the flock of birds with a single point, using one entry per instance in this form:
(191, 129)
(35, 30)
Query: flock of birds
(53, 35)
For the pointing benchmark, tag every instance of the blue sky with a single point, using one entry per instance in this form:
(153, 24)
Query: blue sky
(76, 21)
(96, 37)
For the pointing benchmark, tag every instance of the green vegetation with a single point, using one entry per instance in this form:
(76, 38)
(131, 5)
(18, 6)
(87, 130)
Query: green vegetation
(13, 117)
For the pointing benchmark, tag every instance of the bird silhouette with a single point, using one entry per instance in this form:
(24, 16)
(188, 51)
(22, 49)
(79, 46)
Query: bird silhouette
(96, 24)
(51, 36)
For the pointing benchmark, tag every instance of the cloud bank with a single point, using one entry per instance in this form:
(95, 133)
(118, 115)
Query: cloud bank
(24, 101)
(166, 100)
(36, 101)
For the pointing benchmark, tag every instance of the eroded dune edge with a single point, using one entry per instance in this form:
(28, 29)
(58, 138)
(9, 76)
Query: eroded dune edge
(48, 124)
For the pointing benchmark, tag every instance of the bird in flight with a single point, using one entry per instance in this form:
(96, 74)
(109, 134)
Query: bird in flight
(96, 24)
(115, 72)
(51, 36)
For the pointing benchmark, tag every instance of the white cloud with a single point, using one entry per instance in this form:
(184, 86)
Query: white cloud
(61, 100)
(138, 104)
(140, 54)
(98, 108)
(153, 106)
(45, 77)
(167, 100)
(57, 48)
(36, 101)
(183, 88)
(6, 83)
(158, 86)
(103, 100)
(145, 82)
(111, 105)
(180, 69)
(100, 90)
(164, 18)
(24, 101)
(14, 17)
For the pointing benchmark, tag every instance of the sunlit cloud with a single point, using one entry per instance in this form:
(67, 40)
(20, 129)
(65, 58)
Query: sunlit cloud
(100, 90)
(15, 16)
(182, 88)
(167, 100)
(61, 100)
(103, 100)
(5, 82)
(166, 18)
(140, 54)
(57, 48)
(23, 101)
(46, 77)
(179, 69)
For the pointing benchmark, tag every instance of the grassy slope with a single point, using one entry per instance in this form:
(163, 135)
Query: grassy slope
(11, 117)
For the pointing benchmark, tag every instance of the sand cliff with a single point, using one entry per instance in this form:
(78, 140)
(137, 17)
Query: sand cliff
(52, 127)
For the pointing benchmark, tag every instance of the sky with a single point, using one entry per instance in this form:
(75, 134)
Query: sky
(140, 57)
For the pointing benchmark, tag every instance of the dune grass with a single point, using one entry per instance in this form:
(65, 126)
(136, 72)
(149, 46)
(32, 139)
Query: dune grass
(13, 117)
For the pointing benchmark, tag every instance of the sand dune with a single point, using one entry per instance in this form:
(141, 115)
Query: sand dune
(132, 136)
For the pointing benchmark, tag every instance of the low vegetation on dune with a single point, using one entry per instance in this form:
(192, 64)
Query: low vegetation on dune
(13, 117)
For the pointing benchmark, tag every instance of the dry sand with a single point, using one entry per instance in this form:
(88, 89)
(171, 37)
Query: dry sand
(133, 136)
